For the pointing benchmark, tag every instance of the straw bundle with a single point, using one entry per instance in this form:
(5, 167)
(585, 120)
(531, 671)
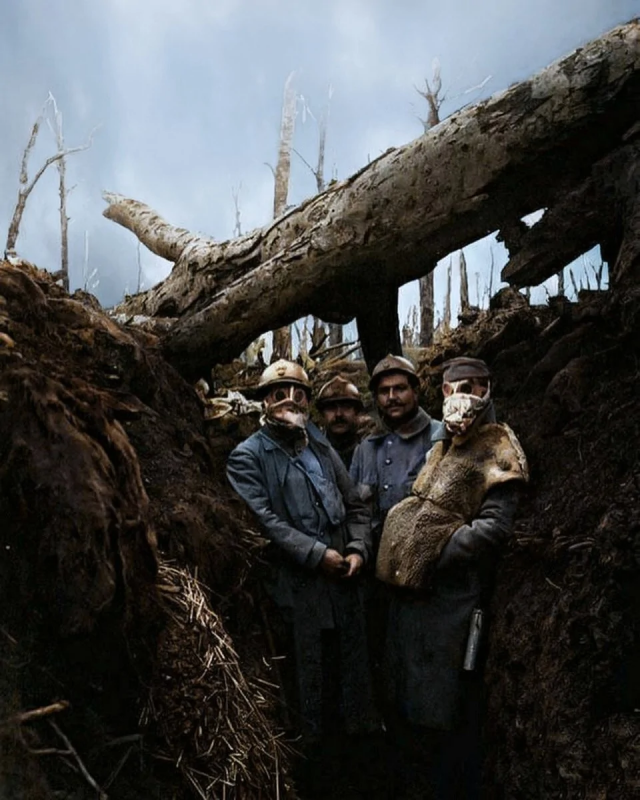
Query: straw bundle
(212, 721)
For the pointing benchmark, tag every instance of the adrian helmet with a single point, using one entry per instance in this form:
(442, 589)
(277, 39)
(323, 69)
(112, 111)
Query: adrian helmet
(339, 389)
(391, 364)
(283, 371)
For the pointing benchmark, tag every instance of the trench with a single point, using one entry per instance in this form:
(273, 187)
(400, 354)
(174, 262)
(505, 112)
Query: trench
(102, 622)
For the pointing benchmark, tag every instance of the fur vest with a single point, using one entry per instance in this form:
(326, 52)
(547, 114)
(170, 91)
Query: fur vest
(448, 493)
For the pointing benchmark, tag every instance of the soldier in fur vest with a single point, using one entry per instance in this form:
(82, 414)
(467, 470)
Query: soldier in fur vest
(438, 552)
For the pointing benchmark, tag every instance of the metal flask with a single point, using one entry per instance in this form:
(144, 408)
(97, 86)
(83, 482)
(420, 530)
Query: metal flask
(473, 640)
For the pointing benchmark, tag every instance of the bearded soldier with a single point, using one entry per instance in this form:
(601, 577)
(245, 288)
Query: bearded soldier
(437, 554)
(319, 532)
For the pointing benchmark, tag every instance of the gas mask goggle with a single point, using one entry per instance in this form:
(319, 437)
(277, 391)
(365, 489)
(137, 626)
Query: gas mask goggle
(287, 405)
(464, 401)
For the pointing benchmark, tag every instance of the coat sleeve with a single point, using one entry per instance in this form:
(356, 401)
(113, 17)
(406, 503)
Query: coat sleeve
(358, 518)
(245, 476)
(481, 540)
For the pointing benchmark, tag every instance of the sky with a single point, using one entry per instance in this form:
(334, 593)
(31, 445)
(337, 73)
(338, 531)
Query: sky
(184, 101)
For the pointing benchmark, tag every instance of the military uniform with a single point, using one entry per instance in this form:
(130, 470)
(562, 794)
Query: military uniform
(438, 554)
(301, 495)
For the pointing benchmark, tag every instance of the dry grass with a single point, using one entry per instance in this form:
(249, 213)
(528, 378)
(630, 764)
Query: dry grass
(212, 721)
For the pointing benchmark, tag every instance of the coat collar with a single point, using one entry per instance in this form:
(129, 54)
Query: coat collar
(418, 424)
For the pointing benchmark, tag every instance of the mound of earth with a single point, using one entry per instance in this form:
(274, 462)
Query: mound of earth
(107, 476)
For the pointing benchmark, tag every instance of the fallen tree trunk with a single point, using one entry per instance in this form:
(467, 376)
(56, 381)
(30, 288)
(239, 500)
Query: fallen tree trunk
(477, 172)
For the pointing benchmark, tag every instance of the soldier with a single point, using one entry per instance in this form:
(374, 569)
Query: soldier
(341, 406)
(386, 463)
(438, 553)
(319, 529)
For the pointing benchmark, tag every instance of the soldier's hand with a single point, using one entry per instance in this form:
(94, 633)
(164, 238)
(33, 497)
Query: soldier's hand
(354, 562)
(333, 563)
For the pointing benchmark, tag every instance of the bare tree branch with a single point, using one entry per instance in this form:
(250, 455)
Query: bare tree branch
(26, 187)
(156, 234)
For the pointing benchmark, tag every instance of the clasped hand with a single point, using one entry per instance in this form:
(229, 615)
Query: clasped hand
(338, 566)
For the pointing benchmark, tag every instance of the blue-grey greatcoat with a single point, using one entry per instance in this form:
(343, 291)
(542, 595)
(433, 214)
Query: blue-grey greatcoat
(427, 632)
(305, 502)
(386, 463)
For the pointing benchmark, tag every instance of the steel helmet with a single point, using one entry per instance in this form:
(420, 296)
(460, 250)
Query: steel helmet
(283, 371)
(339, 389)
(390, 364)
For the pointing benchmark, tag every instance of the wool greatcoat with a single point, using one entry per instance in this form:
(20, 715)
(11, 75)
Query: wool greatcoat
(305, 503)
(428, 626)
(386, 463)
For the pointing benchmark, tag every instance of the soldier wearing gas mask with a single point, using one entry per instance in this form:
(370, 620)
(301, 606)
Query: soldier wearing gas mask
(438, 554)
(319, 533)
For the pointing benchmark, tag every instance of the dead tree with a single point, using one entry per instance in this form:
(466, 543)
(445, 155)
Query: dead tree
(63, 192)
(561, 289)
(90, 279)
(235, 193)
(427, 309)
(345, 252)
(446, 315)
(27, 186)
(282, 336)
(139, 263)
(335, 329)
(464, 282)
(432, 94)
(490, 283)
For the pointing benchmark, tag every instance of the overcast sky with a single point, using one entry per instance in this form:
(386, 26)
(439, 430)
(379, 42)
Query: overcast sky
(188, 97)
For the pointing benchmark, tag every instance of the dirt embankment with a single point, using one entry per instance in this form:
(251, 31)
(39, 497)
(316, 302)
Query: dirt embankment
(108, 472)
(564, 668)
(107, 476)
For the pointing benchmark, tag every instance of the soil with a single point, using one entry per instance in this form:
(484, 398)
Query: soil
(107, 468)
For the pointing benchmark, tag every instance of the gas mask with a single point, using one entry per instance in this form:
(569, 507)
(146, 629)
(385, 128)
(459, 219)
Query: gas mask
(287, 407)
(461, 407)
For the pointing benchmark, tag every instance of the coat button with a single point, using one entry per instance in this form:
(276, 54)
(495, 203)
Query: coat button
(385, 487)
(387, 461)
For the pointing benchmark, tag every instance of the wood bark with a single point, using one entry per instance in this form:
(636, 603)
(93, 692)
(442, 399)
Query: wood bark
(478, 171)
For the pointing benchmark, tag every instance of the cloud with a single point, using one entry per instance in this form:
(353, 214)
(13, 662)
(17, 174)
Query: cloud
(189, 98)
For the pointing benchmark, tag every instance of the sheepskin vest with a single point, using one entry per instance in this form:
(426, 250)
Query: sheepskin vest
(447, 493)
